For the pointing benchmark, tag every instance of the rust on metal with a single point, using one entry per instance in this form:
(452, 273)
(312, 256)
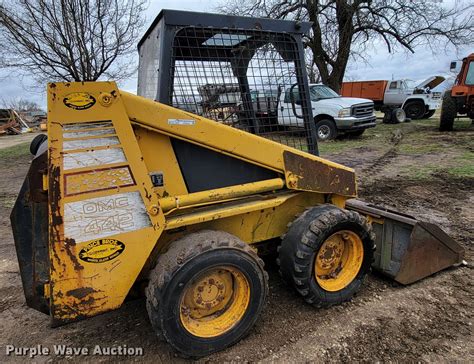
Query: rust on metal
(408, 249)
(81, 292)
(430, 250)
(311, 175)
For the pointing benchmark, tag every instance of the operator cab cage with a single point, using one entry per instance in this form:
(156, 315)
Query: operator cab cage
(231, 69)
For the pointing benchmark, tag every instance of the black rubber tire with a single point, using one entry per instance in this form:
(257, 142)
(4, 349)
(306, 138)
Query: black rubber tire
(185, 259)
(399, 116)
(329, 126)
(36, 142)
(415, 110)
(429, 114)
(448, 112)
(302, 242)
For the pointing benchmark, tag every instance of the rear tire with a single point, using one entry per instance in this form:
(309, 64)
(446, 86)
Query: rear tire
(448, 112)
(415, 110)
(307, 238)
(206, 292)
(326, 129)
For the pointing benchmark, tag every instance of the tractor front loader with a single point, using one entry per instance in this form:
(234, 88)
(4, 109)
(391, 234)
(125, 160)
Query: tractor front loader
(127, 192)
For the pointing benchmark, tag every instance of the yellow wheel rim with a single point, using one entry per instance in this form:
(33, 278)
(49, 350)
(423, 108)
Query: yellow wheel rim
(338, 260)
(214, 301)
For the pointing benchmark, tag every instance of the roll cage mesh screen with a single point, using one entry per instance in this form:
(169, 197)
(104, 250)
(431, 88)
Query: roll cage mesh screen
(248, 79)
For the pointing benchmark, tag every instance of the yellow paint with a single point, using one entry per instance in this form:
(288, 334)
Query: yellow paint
(339, 201)
(221, 194)
(372, 219)
(214, 302)
(159, 156)
(80, 288)
(253, 212)
(339, 260)
(222, 138)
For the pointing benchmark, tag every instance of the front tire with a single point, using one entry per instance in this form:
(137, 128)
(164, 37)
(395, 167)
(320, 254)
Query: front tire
(206, 292)
(448, 112)
(415, 110)
(326, 129)
(326, 254)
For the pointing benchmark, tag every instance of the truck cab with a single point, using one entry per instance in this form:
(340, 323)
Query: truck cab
(333, 114)
(418, 100)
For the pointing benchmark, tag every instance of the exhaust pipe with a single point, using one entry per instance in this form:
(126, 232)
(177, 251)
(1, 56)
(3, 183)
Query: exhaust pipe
(407, 249)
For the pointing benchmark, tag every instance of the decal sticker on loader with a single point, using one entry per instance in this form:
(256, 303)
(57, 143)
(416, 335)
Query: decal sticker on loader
(100, 217)
(79, 100)
(93, 158)
(102, 250)
(97, 180)
(181, 122)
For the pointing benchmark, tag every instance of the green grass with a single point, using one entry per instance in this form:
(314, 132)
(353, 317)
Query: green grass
(15, 151)
(461, 166)
(420, 173)
(466, 171)
(419, 149)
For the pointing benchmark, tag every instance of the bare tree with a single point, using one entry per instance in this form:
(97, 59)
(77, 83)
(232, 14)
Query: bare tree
(346, 28)
(20, 105)
(70, 40)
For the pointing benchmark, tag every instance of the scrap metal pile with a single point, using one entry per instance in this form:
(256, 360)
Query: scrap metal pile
(11, 123)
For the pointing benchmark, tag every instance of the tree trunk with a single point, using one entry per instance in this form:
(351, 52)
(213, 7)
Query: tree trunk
(333, 77)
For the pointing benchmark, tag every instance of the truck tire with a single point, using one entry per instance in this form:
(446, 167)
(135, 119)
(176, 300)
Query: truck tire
(326, 129)
(206, 292)
(415, 110)
(429, 114)
(448, 112)
(326, 254)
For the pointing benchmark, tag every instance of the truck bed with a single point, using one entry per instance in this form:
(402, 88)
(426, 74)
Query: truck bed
(372, 90)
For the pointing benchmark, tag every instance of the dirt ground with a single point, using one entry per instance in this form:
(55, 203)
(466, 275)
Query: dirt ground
(411, 167)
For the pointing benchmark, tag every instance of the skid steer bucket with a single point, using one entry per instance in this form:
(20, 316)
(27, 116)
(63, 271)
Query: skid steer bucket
(408, 249)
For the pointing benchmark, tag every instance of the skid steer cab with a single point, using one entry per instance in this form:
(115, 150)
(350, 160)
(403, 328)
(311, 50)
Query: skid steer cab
(125, 192)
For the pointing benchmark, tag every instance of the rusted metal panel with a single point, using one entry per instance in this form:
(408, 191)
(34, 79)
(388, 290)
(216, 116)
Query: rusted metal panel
(29, 220)
(408, 249)
(318, 176)
(430, 250)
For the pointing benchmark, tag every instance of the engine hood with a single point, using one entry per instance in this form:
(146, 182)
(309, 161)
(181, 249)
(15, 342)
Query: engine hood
(431, 82)
(343, 101)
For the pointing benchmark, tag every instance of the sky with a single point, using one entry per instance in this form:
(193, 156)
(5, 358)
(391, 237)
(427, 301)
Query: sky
(382, 65)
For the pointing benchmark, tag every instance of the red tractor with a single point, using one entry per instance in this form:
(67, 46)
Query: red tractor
(460, 99)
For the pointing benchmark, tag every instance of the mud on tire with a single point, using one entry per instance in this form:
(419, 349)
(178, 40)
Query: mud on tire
(186, 259)
(302, 243)
(448, 112)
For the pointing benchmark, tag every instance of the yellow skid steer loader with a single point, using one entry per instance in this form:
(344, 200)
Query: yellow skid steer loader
(128, 192)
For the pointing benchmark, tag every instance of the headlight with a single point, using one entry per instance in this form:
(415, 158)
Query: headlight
(344, 113)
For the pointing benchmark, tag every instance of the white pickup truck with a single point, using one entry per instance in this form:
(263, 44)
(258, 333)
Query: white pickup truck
(274, 108)
(332, 113)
